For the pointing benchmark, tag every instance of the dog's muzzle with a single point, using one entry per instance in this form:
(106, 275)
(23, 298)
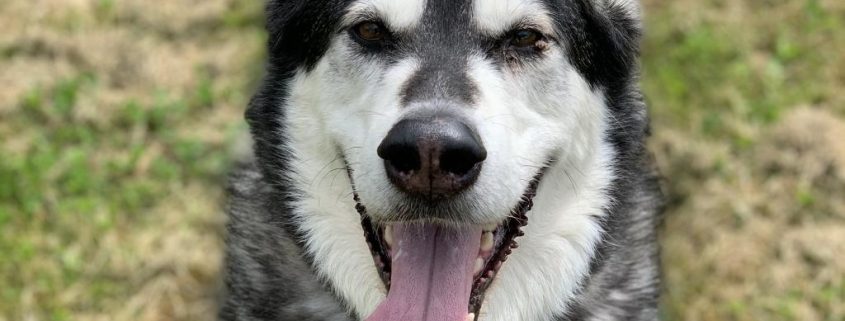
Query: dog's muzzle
(433, 157)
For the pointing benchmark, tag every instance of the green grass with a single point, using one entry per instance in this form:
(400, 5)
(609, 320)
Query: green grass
(749, 70)
(101, 181)
(79, 179)
(721, 79)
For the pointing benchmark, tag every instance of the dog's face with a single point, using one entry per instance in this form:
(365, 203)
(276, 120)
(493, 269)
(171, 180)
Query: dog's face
(446, 114)
(449, 111)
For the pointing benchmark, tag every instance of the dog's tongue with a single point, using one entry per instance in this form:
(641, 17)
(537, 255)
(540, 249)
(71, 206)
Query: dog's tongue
(431, 274)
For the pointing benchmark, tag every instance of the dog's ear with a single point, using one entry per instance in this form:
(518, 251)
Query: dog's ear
(603, 39)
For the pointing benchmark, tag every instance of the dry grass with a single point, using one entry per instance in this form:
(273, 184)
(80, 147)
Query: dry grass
(748, 117)
(117, 118)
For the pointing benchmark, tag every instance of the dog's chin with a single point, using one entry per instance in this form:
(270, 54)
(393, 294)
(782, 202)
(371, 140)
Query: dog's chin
(436, 262)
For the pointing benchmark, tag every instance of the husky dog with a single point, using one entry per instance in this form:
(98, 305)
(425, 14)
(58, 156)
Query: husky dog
(446, 160)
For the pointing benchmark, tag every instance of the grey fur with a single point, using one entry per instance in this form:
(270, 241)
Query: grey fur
(267, 277)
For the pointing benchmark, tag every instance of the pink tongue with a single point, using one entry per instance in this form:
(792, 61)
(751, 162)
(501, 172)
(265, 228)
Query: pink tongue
(431, 275)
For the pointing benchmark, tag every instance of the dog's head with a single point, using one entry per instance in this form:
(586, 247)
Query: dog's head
(446, 116)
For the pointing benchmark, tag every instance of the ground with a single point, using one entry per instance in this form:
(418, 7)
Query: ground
(119, 120)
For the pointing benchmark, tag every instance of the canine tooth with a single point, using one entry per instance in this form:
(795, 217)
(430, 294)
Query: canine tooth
(471, 317)
(490, 227)
(479, 264)
(487, 241)
(388, 235)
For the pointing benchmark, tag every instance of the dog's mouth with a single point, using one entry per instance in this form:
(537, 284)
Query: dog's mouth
(439, 272)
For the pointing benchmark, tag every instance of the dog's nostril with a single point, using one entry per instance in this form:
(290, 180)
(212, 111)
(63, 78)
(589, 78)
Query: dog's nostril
(462, 150)
(460, 160)
(403, 158)
(399, 150)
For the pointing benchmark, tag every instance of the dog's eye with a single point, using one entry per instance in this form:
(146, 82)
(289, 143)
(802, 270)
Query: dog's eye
(525, 38)
(370, 31)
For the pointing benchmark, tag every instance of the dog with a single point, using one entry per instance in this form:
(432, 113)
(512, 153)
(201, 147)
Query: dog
(446, 160)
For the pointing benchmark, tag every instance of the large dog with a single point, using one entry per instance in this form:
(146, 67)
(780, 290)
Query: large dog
(446, 160)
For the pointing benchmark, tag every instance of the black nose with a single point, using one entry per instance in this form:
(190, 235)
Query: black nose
(433, 157)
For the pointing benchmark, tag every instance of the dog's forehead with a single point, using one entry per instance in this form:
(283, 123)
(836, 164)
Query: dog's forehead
(494, 17)
(487, 17)
(398, 15)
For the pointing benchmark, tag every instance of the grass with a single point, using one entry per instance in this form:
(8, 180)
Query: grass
(747, 107)
(112, 166)
(118, 119)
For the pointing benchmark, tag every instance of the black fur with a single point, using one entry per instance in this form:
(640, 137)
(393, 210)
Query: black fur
(265, 282)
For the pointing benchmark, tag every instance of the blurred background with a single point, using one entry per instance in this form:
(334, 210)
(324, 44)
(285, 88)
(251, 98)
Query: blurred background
(119, 118)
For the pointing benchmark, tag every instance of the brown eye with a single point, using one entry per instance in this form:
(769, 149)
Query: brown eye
(370, 31)
(525, 38)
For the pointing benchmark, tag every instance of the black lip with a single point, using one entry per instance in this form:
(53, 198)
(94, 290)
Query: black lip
(512, 228)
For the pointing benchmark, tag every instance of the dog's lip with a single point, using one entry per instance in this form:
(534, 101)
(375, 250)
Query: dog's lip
(509, 230)
(506, 243)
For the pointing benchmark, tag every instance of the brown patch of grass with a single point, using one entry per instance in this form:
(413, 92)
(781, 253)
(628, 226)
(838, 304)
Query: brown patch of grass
(756, 238)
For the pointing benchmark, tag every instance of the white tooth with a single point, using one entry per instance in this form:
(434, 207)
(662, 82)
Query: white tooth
(479, 264)
(471, 317)
(486, 241)
(388, 235)
(490, 227)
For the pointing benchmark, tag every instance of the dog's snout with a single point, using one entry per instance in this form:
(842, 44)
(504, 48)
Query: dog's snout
(434, 158)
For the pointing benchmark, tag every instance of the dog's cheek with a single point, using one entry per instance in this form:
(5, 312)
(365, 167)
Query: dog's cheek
(366, 112)
(352, 94)
(572, 113)
(497, 115)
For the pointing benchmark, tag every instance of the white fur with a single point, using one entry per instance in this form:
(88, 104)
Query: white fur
(397, 14)
(326, 211)
(494, 17)
(523, 116)
(554, 255)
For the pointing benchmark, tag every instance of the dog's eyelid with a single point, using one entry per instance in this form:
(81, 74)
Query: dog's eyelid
(541, 40)
(538, 23)
(350, 21)
(546, 31)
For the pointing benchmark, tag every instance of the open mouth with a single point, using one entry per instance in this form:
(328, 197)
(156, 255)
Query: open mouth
(438, 272)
